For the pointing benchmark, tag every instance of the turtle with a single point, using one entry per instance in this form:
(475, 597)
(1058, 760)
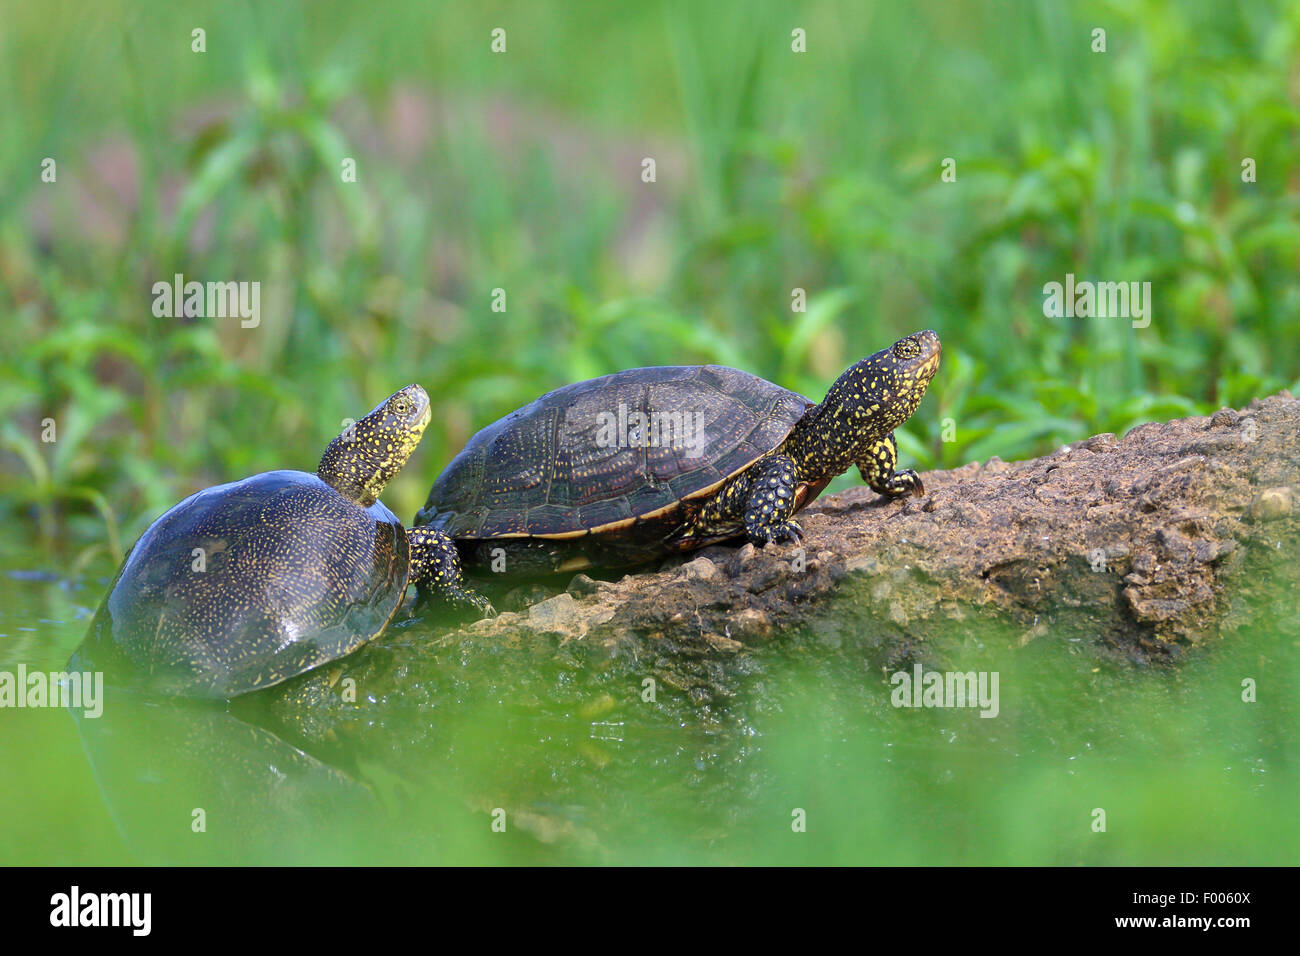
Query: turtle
(244, 585)
(643, 463)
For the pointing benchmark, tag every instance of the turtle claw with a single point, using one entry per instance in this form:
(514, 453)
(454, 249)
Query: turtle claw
(468, 598)
(777, 534)
(903, 484)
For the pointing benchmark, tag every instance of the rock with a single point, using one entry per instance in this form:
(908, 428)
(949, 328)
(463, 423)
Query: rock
(750, 624)
(525, 596)
(701, 569)
(558, 615)
(1101, 444)
(1272, 503)
(582, 586)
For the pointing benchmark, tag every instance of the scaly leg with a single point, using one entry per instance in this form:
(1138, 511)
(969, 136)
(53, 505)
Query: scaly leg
(435, 566)
(770, 508)
(761, 500)
(877, 468)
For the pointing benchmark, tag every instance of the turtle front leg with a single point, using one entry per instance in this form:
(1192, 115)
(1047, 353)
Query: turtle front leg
(759, 501)
(769, 509)
(877, 468)
(435, 565)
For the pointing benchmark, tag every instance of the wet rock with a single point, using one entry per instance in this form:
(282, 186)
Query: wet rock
(557, 615)
(582, 586)
(526, 596)
(1272, 503)
(750, 624)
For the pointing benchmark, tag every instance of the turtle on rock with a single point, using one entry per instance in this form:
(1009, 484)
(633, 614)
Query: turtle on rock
(648, 462)
(244, 585)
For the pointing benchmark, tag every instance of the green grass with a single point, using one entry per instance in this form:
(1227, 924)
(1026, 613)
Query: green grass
(775, 171)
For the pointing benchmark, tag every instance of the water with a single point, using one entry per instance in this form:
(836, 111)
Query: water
(557, 745)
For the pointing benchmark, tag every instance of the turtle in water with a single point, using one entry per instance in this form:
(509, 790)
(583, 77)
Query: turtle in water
(244, 585)
(622, 469)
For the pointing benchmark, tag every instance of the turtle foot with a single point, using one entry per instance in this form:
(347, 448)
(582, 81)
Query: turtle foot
(776, 534)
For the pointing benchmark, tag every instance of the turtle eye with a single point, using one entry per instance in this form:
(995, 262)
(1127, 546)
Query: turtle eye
(402, 406)
(906, 348)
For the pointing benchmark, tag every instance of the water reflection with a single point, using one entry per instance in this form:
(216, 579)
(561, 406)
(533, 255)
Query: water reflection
(188, 782)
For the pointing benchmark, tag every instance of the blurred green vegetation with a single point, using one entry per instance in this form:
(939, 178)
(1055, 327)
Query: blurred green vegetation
(522, 171)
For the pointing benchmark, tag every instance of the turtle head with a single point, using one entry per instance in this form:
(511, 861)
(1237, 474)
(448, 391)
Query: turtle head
(368, 453)
(879, 393)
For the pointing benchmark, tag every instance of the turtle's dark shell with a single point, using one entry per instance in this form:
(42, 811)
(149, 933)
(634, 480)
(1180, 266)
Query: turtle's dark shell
(547, 481)
(244, 585)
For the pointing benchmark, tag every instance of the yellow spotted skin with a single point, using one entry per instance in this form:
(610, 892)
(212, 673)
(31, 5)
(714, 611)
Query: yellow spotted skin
(361, 462)
(877, 470)
(244, 585)
(366, 457)
(435, 565)
(854, 425)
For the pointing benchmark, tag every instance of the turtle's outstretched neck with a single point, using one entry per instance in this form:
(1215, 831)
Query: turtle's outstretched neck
(854, 425)
(360, 462)
(863, 407)
(814, 448)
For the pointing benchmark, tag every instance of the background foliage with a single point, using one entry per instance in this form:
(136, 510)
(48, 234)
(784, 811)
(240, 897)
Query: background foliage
(522, 171)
